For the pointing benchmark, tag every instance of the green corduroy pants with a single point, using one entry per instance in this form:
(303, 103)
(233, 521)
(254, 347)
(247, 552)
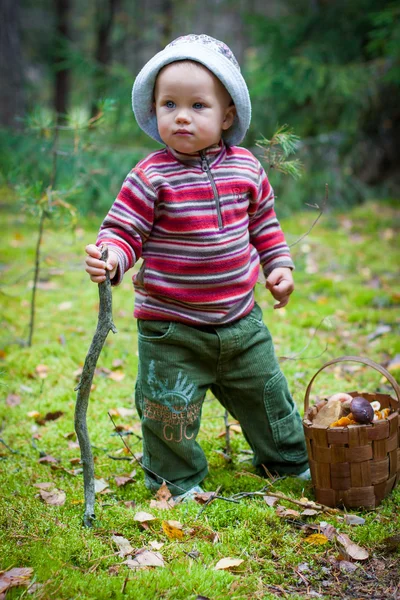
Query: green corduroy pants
(178, 363)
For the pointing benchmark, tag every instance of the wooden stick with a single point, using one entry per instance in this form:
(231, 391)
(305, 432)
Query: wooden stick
(104, 325)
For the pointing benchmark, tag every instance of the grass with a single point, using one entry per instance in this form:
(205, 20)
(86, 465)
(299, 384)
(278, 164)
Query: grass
(346, 288)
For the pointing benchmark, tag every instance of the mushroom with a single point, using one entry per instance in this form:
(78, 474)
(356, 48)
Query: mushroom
(362, 410)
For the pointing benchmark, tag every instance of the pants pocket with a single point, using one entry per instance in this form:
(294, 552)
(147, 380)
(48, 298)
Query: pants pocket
(285, 421)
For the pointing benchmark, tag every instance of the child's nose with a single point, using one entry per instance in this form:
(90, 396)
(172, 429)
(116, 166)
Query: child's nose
(183, 116)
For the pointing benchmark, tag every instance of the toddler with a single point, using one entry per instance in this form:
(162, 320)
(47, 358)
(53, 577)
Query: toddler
(200, 214)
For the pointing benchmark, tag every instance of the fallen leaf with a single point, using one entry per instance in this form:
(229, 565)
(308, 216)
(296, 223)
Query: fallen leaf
(13, 400)
(123, 545)
(379, 331)
(162, 504)
(145, 558)
(45, 485)
(53, 416)
(281, 511)
(54, 497)
(394, 364)
(163, 492)
(347, 567)
(270, 500)
(42, 371)
(126, 412)
(130, 504)
(33, 414)
(73, 445)
(75, 461)
(48, 460)
(143, 517)
(15, 577)
(309, 512)
(100, 485)
(116, 375)
(65, 305)
(228, 563)
(354, 520)
(117, 362)
(203, 497)
(156, 545)
(351, 549)
(316, 539)
(121, 480)
(173, 529)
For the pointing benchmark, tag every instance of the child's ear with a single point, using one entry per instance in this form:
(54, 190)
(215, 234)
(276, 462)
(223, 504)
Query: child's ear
(229, 116)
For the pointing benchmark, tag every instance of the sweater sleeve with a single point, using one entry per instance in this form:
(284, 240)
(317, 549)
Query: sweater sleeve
(129, 221)
(266, 234)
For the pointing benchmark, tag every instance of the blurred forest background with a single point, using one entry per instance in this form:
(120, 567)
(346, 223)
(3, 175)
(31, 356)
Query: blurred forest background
(330, 69)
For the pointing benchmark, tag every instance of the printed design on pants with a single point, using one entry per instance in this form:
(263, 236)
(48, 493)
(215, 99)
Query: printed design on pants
(175, 413)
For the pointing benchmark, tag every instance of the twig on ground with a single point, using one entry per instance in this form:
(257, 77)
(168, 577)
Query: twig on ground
(104, 325)
(8, 447)
(314, 505)
(228, 449)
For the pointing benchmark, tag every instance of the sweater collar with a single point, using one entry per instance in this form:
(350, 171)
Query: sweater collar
(214, 155)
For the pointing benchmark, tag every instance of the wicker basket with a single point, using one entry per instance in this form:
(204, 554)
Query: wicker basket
(359, 465)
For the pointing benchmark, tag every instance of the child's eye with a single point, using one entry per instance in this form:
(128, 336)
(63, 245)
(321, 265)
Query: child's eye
(170, 104)
(198, 105)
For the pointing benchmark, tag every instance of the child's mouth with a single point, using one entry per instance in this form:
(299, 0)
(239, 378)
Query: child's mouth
(182, 132)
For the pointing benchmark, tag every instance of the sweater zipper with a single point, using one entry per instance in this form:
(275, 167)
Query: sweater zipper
(206, 168)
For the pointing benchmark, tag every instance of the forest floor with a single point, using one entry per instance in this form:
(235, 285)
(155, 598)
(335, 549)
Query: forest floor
(346, 302)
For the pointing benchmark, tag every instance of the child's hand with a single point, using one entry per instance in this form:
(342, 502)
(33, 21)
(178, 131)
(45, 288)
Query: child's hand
(280, 284)
(96, 267)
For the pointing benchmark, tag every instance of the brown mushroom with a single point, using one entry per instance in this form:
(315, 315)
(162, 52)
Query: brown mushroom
(362, 410)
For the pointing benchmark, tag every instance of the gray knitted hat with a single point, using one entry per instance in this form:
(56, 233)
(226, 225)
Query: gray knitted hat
(211, 53)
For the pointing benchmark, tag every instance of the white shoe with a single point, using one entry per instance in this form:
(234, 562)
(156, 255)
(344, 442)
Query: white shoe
(189, 495)
(306, 475)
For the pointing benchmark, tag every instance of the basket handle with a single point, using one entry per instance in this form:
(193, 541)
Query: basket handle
(365, 361)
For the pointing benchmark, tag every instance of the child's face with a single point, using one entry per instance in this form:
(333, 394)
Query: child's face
(192, 107)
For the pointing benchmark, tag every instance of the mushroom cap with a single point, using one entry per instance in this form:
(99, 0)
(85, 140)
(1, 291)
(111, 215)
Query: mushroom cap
(362, 410)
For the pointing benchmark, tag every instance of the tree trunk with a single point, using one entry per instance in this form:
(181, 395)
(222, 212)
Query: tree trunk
(103, 47)
(11, 77)
(62, 78)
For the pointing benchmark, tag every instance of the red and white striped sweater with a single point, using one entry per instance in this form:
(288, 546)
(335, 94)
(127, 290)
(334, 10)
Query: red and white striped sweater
(202, 224)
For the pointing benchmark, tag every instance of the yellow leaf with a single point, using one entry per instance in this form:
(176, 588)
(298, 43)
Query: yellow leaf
(317, 539)
(228, 563)
(173, 529)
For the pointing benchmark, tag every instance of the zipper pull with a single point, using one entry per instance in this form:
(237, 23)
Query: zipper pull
(204, 163)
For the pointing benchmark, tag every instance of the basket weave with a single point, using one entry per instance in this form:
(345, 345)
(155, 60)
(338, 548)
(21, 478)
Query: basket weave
(358, 465)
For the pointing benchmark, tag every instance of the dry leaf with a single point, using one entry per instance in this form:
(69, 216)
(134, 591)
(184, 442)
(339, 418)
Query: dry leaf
(13, 400)
(270, 500)
(163, 492)
(309, 512)
(33, 414)
(42, 371)
(48, 460)
(145, 558)
(316, 539)
(347, 567)
(45, 485)
(130, 504)
(281, 511)
(54, 497)
(156, 545)
(15, 577)
(173, 529)
(228, 563)
(100, 485)
(123, 545)
(116, 375)
(126, 412)
(351, 549)
(121, 480)
(354, 520)
(143, 517)
(203, 497)
(162, 504)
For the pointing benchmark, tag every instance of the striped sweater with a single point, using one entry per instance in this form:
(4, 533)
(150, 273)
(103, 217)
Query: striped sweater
(202, 224)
